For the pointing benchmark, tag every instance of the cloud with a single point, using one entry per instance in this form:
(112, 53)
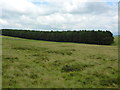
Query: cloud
(59, 14)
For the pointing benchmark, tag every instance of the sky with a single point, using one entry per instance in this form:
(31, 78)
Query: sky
(59, 14)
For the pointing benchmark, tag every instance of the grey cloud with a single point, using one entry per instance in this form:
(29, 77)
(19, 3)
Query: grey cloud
(96, 8)
(6, 14)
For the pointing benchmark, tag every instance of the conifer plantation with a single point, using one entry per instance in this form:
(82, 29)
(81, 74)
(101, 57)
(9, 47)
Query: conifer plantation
(81, 36)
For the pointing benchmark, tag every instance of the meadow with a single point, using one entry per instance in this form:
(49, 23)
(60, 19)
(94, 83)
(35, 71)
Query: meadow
(43, 64)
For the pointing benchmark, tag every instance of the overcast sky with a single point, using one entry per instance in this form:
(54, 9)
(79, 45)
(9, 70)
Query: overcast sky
(59, 14)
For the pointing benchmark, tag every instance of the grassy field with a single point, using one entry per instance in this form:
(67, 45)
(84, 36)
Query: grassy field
(115, 41)
(42, 64)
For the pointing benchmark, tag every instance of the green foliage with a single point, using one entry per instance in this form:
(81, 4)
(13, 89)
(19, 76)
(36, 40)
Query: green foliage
(82, 36)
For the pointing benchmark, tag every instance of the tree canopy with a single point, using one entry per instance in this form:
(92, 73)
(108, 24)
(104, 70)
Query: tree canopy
(82, 36)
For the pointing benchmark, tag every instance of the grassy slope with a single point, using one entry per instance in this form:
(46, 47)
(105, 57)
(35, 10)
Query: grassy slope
(115, 41)
(32, 63)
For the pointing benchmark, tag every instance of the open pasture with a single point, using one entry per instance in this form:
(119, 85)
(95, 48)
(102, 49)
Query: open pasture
(42, 64)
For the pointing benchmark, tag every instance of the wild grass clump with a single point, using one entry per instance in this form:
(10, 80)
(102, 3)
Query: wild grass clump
(61, 52)
(75, 67)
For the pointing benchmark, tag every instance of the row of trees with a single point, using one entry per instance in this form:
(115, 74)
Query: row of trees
(82, 36)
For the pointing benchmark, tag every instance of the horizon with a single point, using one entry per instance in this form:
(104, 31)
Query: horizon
(114, 34)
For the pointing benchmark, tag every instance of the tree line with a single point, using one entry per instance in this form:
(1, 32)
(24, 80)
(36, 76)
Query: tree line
(82, 36)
